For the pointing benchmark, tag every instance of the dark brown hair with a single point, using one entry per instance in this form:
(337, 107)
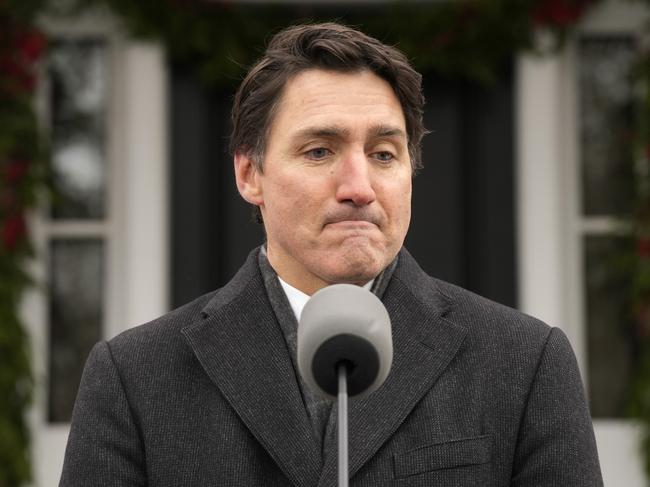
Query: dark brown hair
(326, 46)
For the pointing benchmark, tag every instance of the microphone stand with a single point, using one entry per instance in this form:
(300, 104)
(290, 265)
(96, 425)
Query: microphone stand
(343, 424)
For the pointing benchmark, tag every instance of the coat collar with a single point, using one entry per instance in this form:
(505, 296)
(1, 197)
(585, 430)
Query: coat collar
(239, 344)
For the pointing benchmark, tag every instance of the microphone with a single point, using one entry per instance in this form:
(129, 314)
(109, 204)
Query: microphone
(344, 325)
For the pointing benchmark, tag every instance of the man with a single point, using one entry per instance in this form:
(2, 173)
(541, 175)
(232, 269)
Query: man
(327, 130)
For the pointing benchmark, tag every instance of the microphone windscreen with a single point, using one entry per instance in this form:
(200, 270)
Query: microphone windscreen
(344, 324)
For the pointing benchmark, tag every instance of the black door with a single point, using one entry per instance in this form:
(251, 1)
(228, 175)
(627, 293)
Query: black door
(463, 225)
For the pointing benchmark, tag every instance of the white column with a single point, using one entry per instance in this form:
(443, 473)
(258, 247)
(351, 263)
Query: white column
(539, 183)
(143, 202)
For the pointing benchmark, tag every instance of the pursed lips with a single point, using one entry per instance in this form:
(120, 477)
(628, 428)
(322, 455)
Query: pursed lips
(353, 221)
(352, 224)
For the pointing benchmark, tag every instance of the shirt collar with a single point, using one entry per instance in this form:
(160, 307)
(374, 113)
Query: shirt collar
(298, 299)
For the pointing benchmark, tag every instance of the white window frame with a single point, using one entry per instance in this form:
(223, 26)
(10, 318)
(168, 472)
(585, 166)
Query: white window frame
(550, 223)
(136, 230)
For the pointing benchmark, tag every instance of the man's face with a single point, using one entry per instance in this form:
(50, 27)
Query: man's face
(335, 192)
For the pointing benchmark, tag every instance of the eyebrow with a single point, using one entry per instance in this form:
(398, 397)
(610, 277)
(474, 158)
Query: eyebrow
(387, 131)
(335, 131)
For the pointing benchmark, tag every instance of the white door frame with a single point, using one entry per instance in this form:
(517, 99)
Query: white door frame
(137, 228)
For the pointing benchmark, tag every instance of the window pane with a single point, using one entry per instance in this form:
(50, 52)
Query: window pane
(610, 336)
(78, 80)
(75, 317)
(606, 119)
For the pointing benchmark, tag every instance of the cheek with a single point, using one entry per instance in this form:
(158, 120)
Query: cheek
(402, 212)
(291, 204)
(407, 199)
(400, 201)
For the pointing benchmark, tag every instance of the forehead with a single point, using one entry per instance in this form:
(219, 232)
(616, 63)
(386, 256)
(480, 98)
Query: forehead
(355, 101)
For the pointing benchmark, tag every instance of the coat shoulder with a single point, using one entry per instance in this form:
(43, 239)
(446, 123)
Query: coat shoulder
(164, 334)
(145, 347)
(483, 318)
(479, 313)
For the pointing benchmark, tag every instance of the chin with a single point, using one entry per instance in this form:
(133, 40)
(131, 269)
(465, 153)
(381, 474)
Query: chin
(356, 268)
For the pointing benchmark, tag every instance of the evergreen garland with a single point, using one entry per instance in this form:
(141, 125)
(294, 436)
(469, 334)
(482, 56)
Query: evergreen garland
(21, 46)
(468, 38)
(639, 271)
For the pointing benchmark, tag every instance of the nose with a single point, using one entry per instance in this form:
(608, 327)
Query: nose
(354, 184)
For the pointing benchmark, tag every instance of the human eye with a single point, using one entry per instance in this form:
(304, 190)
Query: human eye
(318, 153)
(383, 156)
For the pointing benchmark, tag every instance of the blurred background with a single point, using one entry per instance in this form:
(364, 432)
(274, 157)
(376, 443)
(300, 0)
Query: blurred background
(118, 203)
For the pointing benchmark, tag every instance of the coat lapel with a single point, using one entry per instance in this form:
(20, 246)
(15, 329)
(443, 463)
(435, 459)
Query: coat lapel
(424, 343)
(241, 347)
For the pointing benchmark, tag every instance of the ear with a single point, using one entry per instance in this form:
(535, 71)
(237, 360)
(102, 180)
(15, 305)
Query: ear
(248, 179)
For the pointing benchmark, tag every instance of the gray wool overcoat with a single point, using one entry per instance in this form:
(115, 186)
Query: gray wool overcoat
(478, 395)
